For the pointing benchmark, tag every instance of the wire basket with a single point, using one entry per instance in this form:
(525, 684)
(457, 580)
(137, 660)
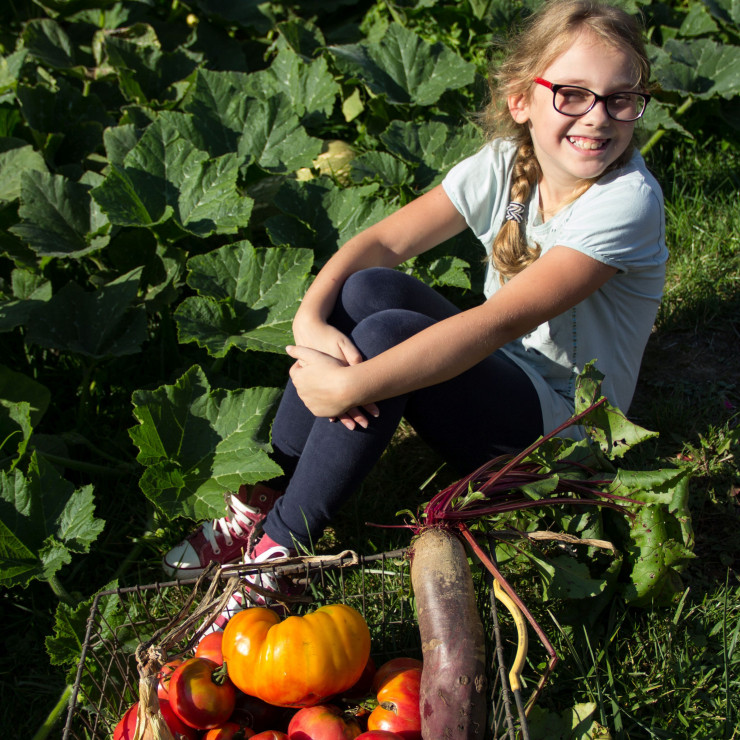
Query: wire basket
(378, 586)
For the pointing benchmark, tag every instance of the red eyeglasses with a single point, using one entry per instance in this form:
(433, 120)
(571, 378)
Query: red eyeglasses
(574, 101)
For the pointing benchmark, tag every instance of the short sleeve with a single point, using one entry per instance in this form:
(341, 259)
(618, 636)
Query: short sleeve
(479, 185)
(619, 221)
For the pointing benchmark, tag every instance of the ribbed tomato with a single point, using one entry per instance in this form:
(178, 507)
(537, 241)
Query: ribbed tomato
(300, 661)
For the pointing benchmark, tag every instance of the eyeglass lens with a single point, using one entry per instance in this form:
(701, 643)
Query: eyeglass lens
(622, 106)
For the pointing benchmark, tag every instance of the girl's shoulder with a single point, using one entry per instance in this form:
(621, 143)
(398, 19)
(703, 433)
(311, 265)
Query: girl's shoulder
(634, 176)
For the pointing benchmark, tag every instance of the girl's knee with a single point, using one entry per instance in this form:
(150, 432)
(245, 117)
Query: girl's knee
(385, 329)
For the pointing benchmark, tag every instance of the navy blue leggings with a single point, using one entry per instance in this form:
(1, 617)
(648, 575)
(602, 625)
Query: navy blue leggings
(490, 409)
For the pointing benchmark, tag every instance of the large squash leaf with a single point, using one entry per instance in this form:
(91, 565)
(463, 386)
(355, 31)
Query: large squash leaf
(198, 444)
(43, 520)
(246, 298)
(404, 67)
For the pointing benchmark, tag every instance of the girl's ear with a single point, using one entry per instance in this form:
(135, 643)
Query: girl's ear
(518, 107)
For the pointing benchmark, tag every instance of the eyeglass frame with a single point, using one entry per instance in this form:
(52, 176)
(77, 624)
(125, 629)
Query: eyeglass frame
(597, 99)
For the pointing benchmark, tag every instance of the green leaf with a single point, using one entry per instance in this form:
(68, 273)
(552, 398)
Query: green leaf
(165, 176)
(445, 270)
(247, 298)
(606, 425)
(404, 67)
(17, 387)
(16, 312)
(698, 21)
(321, 216)
(10, 70)
(59, 218)
(380, 166)
(70, 626)
(98, 324)
(47, 41)
(564, 577)
(433, 146)
(198, 444)
(658, 555)
(42, 519)
(68, 124)
(16, 157)
(574, 723)
(274, 138)
(15, 430)
(309, 86)
(145, 72)
(699, 67)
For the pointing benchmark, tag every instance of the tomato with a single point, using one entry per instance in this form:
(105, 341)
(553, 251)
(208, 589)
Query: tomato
(270, 735)
(229, 731)
(126, 728)
(299, 661)
(398, 705)
(201, 693)
(255, 713)
(363, 687)
(210, 647)
(379, 735)
(165, 674)
(323, 722)
(390, 668)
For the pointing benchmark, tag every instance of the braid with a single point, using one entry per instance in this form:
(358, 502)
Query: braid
(510, 252)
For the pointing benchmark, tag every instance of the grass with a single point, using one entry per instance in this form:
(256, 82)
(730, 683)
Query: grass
(659, 672)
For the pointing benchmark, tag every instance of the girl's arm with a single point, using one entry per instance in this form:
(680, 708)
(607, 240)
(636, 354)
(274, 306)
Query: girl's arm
(415, 228)
(555, 282)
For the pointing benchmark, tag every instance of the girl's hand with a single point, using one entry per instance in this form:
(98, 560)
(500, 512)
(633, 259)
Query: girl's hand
(316, 376)
(323, 337)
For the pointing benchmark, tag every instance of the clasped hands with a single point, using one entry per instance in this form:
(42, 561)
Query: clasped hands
(319, 382)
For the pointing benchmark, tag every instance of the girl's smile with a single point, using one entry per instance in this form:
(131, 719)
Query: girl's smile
(572, 149)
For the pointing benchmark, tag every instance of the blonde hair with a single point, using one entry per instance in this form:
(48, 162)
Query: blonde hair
(546, 35)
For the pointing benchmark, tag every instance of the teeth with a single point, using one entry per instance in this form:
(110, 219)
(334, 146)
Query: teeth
(587, 143)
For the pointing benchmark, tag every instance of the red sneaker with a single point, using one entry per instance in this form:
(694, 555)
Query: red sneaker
(268, 580)
(225, 540)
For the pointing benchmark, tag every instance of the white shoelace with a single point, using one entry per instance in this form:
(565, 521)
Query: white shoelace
(241, 515)
(265, 579)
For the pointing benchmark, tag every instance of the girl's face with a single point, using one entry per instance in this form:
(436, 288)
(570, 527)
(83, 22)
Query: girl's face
(570, 150)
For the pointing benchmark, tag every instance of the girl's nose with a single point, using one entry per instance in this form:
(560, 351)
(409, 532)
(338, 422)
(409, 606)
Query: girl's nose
(598, 113)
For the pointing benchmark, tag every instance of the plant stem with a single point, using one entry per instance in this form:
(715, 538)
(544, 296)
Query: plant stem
(658, 135)
(56, 712)
(60, 592)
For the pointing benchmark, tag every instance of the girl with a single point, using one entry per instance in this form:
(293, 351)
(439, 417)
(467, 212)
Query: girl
(574, 226)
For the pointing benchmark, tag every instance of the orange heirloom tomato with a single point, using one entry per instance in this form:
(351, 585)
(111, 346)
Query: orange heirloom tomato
(300, 661)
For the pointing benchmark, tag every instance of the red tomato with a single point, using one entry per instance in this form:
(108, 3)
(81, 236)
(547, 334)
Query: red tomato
(379, 735)
(165, 674)
(323, 722)
(364, 685)
(201, 694)
(126, 728)
(270, 735)
(210, 647)
(390, 668)
(229, 731)
(398, 705)
(257, 714)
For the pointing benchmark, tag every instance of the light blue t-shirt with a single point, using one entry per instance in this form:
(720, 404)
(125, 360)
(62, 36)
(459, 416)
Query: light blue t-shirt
(620, 221)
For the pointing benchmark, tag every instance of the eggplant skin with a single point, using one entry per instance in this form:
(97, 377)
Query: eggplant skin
(453, 682)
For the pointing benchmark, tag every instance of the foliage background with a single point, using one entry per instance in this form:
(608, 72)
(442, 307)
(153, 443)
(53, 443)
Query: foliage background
(173, 173)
